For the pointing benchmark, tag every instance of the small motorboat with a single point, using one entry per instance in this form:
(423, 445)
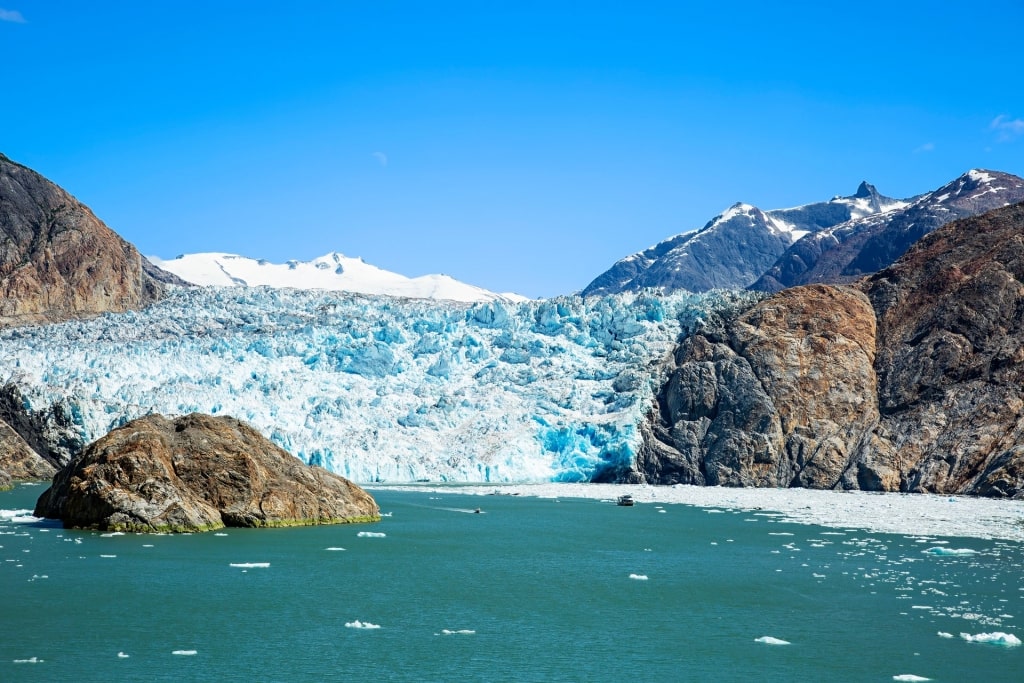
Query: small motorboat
(625, 501)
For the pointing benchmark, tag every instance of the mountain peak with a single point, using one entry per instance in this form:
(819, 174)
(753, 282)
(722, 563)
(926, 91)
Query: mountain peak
(865, 190)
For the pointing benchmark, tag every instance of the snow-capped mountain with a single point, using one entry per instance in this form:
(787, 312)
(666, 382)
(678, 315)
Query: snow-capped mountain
(868, 244)
(375, 388)
(735, 248)
(334, 272)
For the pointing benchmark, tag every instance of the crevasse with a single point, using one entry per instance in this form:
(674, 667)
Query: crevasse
(378, 388)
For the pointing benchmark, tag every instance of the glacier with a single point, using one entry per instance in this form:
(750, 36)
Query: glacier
(378, 388)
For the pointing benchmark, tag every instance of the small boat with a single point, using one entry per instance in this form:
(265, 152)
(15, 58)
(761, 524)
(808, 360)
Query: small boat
(625, 501)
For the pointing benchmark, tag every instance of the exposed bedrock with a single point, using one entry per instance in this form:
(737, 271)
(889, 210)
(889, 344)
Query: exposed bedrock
(197, 473)
(909, 381)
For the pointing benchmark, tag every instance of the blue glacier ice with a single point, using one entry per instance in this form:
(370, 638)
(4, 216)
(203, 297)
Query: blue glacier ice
(378, 388)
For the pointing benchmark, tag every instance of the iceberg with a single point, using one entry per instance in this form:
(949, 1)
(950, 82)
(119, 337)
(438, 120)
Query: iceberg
(377, 388)
(995, 638)
(769, 640)
(949, 552)
(361, 624)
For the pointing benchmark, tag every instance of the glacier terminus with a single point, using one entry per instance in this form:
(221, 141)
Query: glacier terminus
(377, 388)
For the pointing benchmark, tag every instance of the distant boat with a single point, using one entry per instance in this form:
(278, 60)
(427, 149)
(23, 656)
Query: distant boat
(625, 501)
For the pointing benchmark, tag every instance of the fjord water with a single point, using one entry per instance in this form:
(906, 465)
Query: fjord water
(527, 590)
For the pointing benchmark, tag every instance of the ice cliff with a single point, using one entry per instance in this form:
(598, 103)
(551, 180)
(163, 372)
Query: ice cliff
(377, 388)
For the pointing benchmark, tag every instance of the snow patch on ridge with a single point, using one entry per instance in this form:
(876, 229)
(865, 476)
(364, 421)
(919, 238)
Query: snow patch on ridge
(332, 272)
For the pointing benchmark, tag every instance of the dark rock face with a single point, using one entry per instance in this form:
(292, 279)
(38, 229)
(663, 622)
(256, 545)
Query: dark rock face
(18, 461)
(951, 373)
(50, 431)
(197, 473)
(868, 244)
(58, 261)
(780, 398)
(911, 381)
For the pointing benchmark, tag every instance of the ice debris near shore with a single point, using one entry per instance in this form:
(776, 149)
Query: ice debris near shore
(377, 388)
(919, 514)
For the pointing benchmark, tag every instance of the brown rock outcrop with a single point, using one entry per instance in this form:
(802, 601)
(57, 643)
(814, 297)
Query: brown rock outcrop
(780, 397)
(951, 368)
(911, 381)
(196, 473)
(58, 261)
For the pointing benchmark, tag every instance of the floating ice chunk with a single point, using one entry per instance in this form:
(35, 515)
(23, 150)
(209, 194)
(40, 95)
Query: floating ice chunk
(361, 624)
(460, 632)
(768, 640)
(371, 534)
(30, 660)
(943, 634)
(250, 565)
(147, 545)
(334, 548)
(18, 517)
(779, 533)
(185, 653)
(220, 534)
(121, 655)
(949, 551)
(638, 577)
(994, 638)
(108, 556)
(909, 677)
(111, 534)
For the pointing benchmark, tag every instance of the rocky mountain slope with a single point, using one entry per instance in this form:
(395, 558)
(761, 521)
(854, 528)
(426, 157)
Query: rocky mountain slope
(197, 473)
(866, 245)
(735, 248)
(913, 380)
(828, 242)
(58, 261)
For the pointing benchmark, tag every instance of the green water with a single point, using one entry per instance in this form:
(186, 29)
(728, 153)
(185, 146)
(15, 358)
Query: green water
(542, 588)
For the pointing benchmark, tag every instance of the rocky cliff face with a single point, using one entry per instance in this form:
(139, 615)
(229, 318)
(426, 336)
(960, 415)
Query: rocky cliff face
(910, 381)
(197, 473)
(951, 368)
(18, 461)
(58, 261)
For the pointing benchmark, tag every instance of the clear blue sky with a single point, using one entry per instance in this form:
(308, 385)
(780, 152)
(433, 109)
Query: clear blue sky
(520, 146)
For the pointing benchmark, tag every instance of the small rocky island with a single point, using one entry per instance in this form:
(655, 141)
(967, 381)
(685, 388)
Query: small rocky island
(197, 473)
